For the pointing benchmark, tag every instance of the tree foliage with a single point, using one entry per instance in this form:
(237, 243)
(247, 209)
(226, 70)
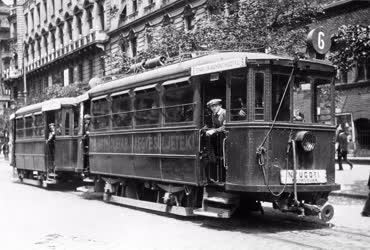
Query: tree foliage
(56, 91)
(277, 26)
(351, 44)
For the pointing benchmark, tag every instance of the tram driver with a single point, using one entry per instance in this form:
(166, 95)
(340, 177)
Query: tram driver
(218, 117)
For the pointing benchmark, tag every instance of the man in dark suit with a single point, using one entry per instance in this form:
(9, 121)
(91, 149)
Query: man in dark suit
(218, 117)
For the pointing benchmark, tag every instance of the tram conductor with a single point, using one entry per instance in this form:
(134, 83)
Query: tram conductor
(218, 117)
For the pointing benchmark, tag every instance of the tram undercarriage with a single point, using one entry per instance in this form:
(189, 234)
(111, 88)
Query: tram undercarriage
(209, 201)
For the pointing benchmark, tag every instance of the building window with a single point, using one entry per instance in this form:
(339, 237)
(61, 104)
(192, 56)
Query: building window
(26, 22)
(79, 24)
(70, 75)
(123, 16)
(89, 18)
(61, 5)
(46, 44)
(46, 10)
(52, 38)
(80, 72)
(91, 68)
(188, 18)
(363, 70)
(133, 44)
(189, 22)
(134, 5)
(102, 66)
(38, 14)
(52, 7)
(101, 15)
(69, 27)
(61, 35)
(33, 51)
(38, 48)
(32, 19)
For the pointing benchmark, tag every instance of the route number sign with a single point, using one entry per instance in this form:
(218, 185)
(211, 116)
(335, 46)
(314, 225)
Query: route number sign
(319, 40)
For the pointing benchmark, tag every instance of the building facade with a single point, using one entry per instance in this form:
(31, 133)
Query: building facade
(5, 54)
(353, 87)
(58, 42)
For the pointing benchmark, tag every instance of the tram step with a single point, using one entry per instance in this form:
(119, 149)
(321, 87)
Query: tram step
(214, 212)
(52, 175)
(221, 197)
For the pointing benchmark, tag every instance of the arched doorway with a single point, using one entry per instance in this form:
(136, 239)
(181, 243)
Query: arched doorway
(362, 126)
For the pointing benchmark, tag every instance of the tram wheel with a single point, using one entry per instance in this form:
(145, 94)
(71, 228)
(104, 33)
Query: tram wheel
(327, 213)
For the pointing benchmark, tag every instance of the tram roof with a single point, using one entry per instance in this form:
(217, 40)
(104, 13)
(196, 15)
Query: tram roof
(182, 69)
(52, 104)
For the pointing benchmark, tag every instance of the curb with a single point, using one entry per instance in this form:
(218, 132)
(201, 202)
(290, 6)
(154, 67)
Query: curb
(349, 195)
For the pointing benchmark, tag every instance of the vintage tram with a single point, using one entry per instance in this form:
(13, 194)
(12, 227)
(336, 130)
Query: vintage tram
(147, 145)
(36, 159)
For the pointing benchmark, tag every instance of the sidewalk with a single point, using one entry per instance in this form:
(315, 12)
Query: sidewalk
(353, 182)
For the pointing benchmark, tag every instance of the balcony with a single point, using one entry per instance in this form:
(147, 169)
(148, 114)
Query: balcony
(11, 73)
(6, 54)
(68, 49)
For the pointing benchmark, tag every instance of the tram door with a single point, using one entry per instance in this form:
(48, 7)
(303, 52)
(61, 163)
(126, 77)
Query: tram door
(213, 87)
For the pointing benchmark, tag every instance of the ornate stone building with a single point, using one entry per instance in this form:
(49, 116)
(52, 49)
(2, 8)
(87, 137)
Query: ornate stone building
(5, 54)
(58, 42)
(64, 41)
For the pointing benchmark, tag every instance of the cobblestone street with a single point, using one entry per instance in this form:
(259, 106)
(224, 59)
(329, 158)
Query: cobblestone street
(35, 218)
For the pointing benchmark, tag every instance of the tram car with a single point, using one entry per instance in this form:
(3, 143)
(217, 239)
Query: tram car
(45, 139)
(149, 146)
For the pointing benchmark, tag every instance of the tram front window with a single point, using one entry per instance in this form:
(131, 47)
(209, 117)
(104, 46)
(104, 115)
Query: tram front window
(279, 82)
(302, 103)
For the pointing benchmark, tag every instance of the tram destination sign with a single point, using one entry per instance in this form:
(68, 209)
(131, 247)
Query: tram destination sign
(218, 66)
(319, 40)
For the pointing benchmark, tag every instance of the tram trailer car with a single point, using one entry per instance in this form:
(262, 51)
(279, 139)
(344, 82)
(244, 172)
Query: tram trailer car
(148, 147)
(33, 161)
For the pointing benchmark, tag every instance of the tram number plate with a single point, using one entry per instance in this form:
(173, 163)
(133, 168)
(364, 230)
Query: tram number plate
(303, 176)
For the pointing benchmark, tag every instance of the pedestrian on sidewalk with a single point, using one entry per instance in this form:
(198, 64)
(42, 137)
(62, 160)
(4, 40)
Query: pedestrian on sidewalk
(343, 148)
(5, 149)
(366, 210)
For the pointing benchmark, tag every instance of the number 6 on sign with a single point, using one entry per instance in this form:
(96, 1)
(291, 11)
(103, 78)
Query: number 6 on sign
(319, 40)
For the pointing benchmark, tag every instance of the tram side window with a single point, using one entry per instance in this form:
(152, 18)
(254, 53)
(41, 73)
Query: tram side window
(29, 126)
(259, 96)
(19, 127)
(121, 108)
(100, 112)
(39, 125)
(279, 82)
(238, 104)
(323, 101)
(147, 108)
(58, 122)
(178, 102)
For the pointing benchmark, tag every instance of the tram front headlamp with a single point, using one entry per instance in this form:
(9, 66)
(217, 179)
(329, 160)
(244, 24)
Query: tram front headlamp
(307, 140)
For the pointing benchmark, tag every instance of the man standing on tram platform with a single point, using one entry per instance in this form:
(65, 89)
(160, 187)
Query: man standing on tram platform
(50, 142)
(218, 117)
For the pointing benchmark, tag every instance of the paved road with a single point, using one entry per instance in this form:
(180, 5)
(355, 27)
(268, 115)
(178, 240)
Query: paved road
(34, 218)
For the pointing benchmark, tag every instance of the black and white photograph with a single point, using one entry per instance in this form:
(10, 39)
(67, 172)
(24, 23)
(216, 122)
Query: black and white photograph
(184, 124)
